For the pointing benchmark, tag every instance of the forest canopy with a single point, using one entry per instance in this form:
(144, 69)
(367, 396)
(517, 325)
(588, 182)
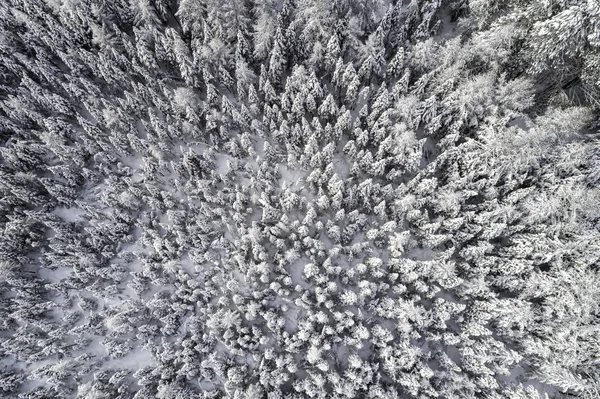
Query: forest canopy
(289, 199)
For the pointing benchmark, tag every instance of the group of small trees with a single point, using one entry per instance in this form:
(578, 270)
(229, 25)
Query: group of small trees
(298, 199)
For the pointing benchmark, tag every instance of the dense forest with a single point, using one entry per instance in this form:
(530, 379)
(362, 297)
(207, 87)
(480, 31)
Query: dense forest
(294, 199)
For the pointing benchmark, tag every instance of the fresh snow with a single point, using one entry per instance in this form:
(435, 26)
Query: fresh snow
(299, 199)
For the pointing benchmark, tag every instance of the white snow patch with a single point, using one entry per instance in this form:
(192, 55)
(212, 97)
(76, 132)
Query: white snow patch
(136, 359)
(292, 177)
(69, 214)
(54, 275)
